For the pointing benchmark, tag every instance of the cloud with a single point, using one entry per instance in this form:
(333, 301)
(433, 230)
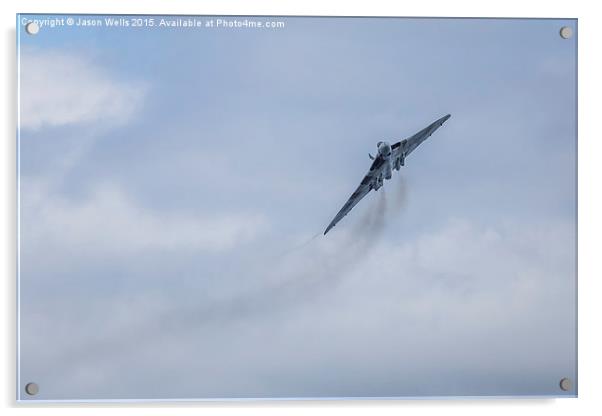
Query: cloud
(59, 88)
(462, 309)
(107, 221)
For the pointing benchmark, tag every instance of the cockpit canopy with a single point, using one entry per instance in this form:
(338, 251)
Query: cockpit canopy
(384, 148)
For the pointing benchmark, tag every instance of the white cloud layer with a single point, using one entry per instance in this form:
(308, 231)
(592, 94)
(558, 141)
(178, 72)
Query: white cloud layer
(58, 88)
(354, 318)
(107, 222)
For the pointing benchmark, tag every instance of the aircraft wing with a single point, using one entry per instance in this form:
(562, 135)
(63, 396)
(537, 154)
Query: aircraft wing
(405, 147)
(362, 190)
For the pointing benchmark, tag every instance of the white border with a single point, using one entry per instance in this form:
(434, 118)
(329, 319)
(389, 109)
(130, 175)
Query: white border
(590, 202)
(18, 208)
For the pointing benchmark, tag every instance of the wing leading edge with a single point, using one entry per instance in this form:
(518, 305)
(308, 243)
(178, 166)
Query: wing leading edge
(355, 197)
(407, 146)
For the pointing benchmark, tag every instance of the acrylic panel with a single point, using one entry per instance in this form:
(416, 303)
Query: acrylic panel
(266, 207)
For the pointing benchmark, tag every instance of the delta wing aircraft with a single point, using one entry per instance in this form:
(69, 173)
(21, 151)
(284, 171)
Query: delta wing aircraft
(388, 157)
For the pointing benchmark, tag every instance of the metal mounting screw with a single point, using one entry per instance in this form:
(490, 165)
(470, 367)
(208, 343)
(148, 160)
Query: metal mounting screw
(32, 389)
(566, 32)
(565, 384)
(32, 28)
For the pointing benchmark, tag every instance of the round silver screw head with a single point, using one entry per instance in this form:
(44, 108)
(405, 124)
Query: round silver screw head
(566, 32)
(566, 384)
(32, 28)
(32, 389)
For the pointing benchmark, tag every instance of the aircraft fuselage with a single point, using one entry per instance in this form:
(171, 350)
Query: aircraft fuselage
(384, 151)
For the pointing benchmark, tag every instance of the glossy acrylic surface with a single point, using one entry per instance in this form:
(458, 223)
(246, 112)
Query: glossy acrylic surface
(176, 174)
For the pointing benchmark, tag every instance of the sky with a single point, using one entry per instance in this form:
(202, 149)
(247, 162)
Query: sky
(174, 185)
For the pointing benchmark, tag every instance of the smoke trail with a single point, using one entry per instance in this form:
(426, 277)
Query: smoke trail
(303, 274)
(380, 214)
(348, 245)
(400, 195)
